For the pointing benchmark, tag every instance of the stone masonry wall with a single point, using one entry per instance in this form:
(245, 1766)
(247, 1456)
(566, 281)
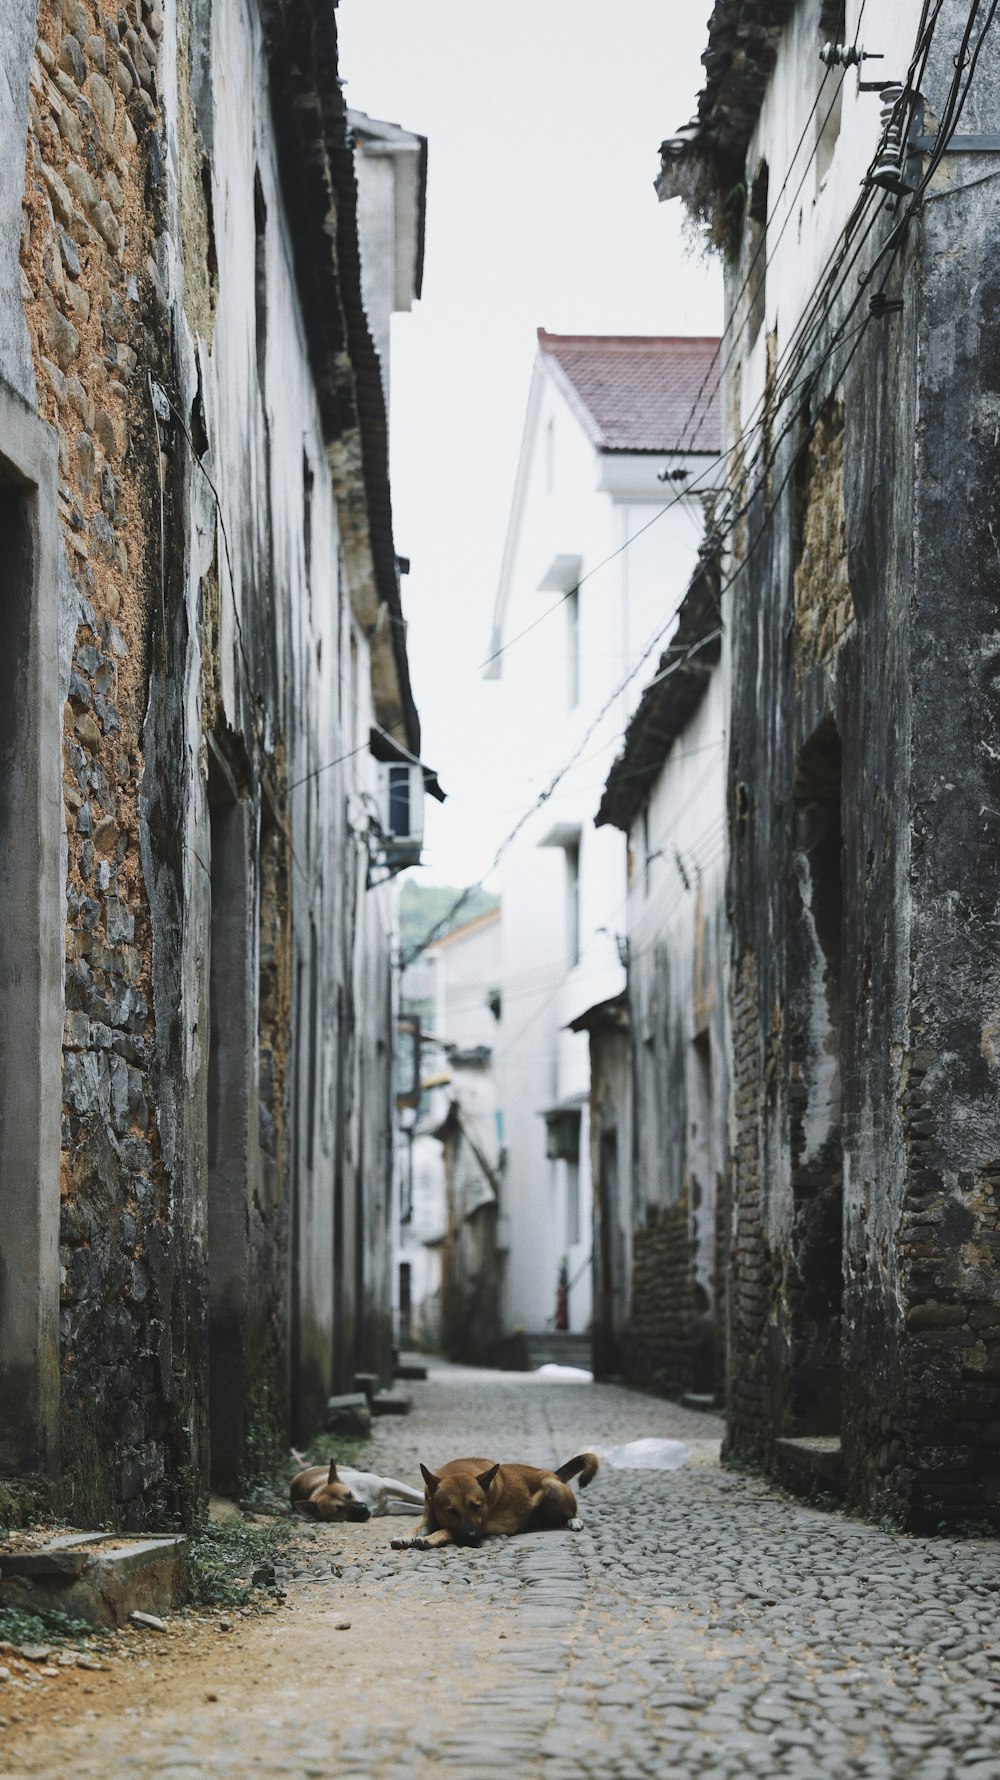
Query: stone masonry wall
(823, 605)
(94, 312)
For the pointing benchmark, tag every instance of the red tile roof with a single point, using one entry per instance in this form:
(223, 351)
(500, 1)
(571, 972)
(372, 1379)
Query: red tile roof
(640, 392)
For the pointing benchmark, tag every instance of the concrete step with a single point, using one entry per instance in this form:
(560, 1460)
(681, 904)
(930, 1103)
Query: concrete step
(810, 1463)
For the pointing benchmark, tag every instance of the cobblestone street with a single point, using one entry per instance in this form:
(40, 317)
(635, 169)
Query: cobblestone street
(700, 1624)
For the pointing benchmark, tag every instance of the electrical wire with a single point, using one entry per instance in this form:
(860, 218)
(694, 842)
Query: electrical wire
(544, 795)
(894, 241)
(809, 319)
(802, 346)
(684, 495)
(764, 246)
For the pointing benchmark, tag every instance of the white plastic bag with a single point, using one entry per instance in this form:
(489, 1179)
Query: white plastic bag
(647, 1455)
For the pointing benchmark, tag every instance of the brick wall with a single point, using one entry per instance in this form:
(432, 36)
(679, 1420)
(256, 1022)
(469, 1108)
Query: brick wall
(657, 1344)
(748, 1288)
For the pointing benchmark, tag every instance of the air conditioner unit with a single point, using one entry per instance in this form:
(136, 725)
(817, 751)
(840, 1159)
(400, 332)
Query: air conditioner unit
(401, 811)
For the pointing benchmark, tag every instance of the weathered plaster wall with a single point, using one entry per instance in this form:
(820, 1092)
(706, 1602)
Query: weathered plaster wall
(865, 1292)
(667, 790)
(673, 1193)
(610, 1168)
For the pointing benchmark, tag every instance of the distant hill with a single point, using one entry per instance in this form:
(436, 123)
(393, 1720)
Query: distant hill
(422, 906)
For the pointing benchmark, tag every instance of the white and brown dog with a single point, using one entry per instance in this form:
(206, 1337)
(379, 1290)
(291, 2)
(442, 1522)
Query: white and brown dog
(335, 1492)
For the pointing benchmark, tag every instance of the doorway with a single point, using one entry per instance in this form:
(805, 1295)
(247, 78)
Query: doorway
(815, 1004)
(230, 1070)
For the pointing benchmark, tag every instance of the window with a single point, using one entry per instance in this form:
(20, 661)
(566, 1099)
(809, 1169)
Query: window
(572, 1204)
(573, 646)
(573, 903)
(399, 800)
(562, 1136)
(647, 857)
(756, 273)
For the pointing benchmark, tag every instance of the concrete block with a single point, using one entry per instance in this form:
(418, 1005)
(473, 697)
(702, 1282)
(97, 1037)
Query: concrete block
(388, 1405)
(99, 1577)
(349, 1414)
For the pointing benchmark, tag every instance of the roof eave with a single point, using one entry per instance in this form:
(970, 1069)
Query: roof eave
(669, 701)
(743, 38)
(316, 167)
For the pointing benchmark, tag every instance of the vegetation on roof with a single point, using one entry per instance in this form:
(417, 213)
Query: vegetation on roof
(422, 906)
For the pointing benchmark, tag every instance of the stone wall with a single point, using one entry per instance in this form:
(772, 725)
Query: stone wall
(225, 983)
(824, 608)
(864, 1285)
(94, 313)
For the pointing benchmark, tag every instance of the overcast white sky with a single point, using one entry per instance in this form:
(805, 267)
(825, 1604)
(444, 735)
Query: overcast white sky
(543, 120)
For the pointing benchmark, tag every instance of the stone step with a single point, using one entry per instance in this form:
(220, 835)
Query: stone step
(558, 1347)
(808, 1464)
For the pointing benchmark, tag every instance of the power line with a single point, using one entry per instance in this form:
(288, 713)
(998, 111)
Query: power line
(924, 38)
(544, 795)
(801, 345)
(891, 245)
(764, 246)
(684, 495)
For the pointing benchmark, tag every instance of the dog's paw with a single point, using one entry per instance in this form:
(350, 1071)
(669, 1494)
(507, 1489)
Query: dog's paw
(403, 1544)
(575, 1525)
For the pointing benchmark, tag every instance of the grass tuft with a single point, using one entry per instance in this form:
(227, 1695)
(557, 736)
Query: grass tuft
(223, 1556)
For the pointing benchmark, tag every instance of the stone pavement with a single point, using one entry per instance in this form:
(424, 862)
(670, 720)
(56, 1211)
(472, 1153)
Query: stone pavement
(700, 1624)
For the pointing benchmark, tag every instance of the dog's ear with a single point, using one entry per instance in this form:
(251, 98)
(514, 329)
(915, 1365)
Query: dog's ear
(429, 1478)
(333, 1478)
(307, 1509)
(487, 1478)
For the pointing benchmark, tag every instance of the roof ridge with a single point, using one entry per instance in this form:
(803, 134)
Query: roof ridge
(545, 339)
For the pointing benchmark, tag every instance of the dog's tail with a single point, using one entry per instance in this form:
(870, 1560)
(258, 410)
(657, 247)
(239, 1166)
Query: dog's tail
(585, 1466)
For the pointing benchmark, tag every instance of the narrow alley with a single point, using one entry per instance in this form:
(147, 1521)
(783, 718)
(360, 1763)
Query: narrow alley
(701, 1623)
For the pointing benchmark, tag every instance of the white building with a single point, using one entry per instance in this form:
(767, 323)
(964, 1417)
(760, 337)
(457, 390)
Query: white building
(606, 520)
(659, 1066)
(390, 165)
(450, 1159)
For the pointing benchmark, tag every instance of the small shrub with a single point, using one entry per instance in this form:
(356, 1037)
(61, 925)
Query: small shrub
(223, 1556)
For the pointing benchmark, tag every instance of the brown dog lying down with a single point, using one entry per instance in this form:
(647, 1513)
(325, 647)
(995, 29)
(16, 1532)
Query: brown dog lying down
(322, 1492)
(467, 1500)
